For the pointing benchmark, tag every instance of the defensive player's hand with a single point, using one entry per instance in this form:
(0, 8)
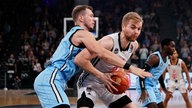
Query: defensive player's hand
(144, 95)
(168, 93)
(189, 88)
(108, 82)
(139, 72)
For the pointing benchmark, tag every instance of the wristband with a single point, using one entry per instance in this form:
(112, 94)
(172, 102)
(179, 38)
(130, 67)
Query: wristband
(126, 66)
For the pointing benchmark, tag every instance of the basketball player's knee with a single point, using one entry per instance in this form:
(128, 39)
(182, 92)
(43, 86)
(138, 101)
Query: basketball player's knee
(84, 102)
(120, 102)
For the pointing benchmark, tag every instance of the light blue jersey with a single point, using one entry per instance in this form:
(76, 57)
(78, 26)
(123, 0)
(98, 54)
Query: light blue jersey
(63, 57)
(51, 82)
(152, 82)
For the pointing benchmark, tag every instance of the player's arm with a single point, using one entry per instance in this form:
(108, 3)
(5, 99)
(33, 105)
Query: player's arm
(162, 84)
(95, 49)
(164, 73)
(162, 77)
(163, 87)
(151, 62)
(83, 58)
(146, 67)
(184, 68)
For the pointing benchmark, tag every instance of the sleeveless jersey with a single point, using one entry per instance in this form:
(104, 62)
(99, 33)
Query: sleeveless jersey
(63, 57)
(155, 71)
(175, 71)
(117, 49)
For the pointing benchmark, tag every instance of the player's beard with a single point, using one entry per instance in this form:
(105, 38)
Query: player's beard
(130, 38)
(88, 27)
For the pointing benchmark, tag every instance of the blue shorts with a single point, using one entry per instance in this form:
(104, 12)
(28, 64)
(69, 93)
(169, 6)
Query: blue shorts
(154, 96)
(49, 86)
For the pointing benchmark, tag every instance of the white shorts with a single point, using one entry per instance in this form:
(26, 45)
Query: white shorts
(95, 90)
(180, 84)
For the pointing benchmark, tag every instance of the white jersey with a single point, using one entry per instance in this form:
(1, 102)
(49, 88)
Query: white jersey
(175, 71)
(102, 66)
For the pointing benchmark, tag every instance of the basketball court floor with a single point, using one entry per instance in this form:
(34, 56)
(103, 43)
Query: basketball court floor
(28, 99)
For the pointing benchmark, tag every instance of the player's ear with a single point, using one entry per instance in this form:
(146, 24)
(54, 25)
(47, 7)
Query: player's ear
(123, 27)
(81, 18)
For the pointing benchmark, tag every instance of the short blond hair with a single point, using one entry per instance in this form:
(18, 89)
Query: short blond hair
(131, 15)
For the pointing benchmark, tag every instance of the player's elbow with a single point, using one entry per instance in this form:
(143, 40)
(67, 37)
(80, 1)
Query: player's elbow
(77, 61)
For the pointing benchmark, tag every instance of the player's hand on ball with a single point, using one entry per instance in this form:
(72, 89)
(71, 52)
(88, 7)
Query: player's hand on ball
(108, 82)
(139, 72)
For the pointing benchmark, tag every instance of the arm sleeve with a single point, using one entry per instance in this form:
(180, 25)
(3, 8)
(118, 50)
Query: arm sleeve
(147, 67)
(161, 81)
(141, 82)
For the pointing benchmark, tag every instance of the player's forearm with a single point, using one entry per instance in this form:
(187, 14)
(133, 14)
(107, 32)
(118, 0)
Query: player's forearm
(86, 65)
(113, 59)
(92, 70)
(161, 81)
(188, 79)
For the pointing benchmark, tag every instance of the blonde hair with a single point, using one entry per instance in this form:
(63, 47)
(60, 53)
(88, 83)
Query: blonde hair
(131, 15)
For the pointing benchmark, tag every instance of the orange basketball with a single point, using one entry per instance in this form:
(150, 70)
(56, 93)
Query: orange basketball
(123, 80)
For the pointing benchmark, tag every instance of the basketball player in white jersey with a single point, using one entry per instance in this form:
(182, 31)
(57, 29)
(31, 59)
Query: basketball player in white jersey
(123, 44)
(175, 68)
(50, 84)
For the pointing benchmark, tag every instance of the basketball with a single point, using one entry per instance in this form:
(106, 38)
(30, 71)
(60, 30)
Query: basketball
(123, 80)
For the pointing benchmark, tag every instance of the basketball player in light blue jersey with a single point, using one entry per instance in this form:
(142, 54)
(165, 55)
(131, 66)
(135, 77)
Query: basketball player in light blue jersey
(156, 64)
(50, 83)
(123, 44)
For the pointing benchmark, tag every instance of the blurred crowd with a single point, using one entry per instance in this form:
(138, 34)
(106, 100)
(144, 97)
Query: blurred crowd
(30, 31)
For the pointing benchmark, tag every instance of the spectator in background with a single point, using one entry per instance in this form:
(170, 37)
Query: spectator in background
(11, 69)
(147, 41)
(188, 62)
(17, 82)
(155, 46)
(42, 58)
(11, 60)
(190, 50)
(36, 68)
(143, 51)
(11, 63)
(135, 59)
(185, 52)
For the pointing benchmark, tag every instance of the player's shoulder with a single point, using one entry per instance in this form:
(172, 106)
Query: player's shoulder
(116, 34)
(83, 34)
(154, 58)
(112, 36)
(180, 60)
